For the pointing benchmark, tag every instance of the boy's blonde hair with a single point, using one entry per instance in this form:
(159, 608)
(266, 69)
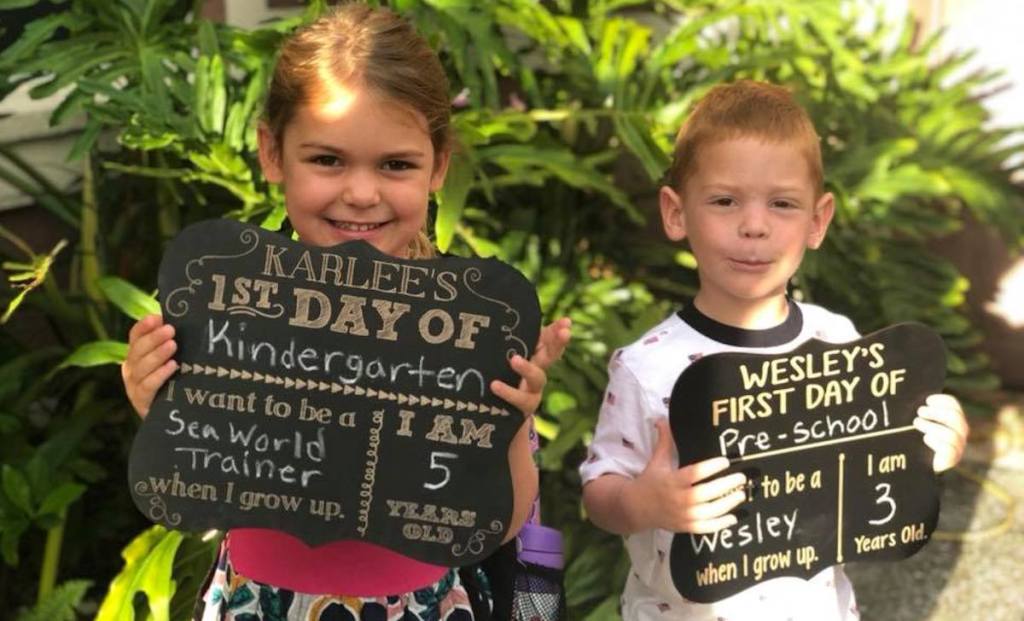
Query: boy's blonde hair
(744, 109)
(358, 45)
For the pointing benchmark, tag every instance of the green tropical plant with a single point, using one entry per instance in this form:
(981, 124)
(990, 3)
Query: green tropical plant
(565, 112)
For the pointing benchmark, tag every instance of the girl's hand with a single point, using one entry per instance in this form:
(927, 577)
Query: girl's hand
(550, 346)
(942, 421)
(148, 363)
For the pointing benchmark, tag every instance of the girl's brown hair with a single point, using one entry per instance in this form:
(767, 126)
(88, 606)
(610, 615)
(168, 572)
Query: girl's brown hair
(745, 109)
(355, 44)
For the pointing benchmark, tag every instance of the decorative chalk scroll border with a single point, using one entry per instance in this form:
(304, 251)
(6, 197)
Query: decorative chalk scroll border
(475, 545)
(176, 307)
(370, 474)
(157, 506)
(474, 275)
(348, 389)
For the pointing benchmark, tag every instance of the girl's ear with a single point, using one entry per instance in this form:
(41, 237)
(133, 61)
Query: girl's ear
(673, 218)
(824, 209)
(270, 155)
(444, 158)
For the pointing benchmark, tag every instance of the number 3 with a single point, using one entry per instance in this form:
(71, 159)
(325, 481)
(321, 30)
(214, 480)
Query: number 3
(884, 498)
(434, 456)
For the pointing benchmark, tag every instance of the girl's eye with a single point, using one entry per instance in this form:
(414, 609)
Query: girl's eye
(397, 165)
(325, 160)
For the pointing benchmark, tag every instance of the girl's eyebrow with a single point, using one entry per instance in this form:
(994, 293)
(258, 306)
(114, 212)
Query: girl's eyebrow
(390, 155)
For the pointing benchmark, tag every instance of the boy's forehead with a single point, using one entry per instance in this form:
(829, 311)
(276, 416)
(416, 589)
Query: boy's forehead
(737, 161)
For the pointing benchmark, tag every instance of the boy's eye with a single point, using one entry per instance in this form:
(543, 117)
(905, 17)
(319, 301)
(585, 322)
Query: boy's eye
(783, 204)
(397, 165)
(723, 201)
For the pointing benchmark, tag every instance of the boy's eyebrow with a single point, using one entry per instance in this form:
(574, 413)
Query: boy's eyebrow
(782, 187)
(400, 154)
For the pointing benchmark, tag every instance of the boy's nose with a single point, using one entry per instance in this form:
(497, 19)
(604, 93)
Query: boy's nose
(360, 189)
(754, 223)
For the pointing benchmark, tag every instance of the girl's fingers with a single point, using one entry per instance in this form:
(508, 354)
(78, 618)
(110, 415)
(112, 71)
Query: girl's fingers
(149, 386)
(144, 326)
(552, 342)
(525, 401)
(147, 364)
(146, 343)
(533, 376)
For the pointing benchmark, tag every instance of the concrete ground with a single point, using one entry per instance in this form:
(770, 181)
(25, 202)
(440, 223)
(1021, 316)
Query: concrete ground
(973, 569)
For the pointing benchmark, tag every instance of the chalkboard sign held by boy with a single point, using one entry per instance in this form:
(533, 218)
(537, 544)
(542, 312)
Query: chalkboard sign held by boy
(825, 436)
(746, 191)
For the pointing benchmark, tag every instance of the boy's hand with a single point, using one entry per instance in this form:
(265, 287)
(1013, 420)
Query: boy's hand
(148, 363)
(942, 421)
(675, 499)
(550, 346)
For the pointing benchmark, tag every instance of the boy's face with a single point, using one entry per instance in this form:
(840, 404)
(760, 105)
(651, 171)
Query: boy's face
(749, 210)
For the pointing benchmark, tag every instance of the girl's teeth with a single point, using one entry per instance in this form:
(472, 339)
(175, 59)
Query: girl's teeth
(352, 226)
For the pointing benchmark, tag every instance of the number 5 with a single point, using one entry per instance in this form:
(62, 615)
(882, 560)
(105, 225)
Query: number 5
(434, 457)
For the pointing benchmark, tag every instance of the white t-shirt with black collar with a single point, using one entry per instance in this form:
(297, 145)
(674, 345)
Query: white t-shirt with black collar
(640, 380)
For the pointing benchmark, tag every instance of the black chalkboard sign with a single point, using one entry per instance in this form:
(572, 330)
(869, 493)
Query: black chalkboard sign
(836, 471)
(335, 393)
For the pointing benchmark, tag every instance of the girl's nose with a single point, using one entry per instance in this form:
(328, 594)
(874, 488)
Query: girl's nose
(754, 222)
(360, 189)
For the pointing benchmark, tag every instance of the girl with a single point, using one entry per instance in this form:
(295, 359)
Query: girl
(356, 130)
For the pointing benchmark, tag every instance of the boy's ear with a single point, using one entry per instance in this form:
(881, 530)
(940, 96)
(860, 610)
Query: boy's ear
(270, 154)
(444, 158)
(824, 209)
(673, 218)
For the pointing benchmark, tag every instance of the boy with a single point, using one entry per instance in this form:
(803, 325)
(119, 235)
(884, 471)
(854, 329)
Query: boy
(745, 188)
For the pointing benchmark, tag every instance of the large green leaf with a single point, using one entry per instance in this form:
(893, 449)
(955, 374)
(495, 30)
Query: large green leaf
(130, 299)
(148, 561)
(96, 353)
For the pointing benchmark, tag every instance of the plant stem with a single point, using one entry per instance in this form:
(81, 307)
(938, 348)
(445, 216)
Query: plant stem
(87, 248)
(51, 561)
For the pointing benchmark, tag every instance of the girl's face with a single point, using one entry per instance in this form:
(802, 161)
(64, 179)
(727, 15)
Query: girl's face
(355, 166)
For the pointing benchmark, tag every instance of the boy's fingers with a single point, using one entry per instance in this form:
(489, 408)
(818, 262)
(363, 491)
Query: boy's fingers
(721, 487)
(703, 469)
(717, 507)
(943, 401)
(950, 417)
(946, 455)
(711, 526)
(937, 431)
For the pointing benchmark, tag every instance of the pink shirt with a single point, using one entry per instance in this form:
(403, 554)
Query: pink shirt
(347, 567)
